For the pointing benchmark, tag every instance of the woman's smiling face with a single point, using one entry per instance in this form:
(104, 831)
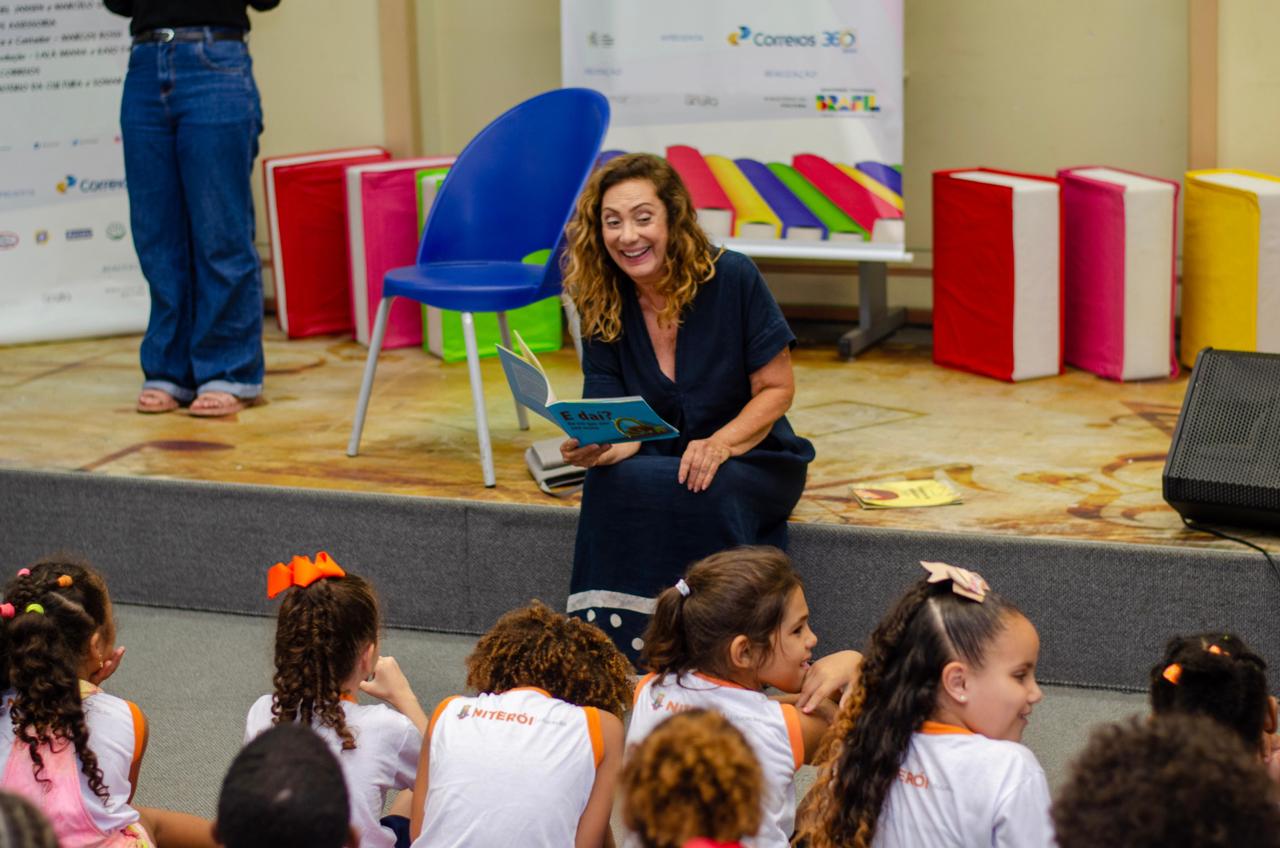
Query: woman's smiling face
(633, 221)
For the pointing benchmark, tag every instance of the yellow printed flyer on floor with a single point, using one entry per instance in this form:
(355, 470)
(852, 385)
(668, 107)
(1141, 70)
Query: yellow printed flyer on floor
(901, 494)
(597, 421)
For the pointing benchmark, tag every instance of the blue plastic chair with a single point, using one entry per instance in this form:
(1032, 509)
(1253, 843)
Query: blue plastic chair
(510, 193)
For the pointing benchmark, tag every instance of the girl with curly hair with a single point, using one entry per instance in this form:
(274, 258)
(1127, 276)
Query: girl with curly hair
(927, 751)
(1219, 676)
(694, 331)
(532, 759)
(735, 624)
(69, 747)
(693, 777)
(326, 653)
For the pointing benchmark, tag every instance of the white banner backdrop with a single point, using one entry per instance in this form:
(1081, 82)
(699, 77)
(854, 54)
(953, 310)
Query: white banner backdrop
(758, 79)
(67, 264)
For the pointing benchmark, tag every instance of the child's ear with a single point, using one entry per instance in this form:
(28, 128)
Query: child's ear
(1272, 723)
(369, 658)
(740, 654)
(955, 681)
(98, 645)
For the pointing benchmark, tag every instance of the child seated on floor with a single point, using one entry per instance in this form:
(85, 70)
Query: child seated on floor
(1217, 675)
(22, 825)
(1177, 779)
(285, 790)
(533, 758)
(65, 745)
(693, 778)
(735, 624)
(326, 652)
(926, 753)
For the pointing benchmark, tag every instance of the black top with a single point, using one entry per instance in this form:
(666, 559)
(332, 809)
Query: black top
(153, 14)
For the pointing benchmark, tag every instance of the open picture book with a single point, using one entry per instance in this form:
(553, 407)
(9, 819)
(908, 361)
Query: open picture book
(597, 421)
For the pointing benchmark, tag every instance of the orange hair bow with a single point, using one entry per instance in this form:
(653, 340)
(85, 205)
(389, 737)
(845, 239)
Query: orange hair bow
(301, 571)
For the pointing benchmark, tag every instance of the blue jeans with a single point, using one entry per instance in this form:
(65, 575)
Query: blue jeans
(190, 119)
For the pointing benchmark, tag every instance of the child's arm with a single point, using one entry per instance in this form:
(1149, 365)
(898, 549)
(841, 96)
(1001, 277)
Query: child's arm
(389, 684)
(420, 783)
(177, 830)
(833, 674)
(593, 827)
(814, 726)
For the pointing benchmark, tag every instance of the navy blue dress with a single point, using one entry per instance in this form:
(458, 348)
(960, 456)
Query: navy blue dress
(639, 529)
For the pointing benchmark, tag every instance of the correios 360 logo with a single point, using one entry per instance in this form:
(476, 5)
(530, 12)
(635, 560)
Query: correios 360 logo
(845, 39)
(89, 186)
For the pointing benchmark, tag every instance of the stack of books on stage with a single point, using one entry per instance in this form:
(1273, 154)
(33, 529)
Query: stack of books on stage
(306, 223)
(997, 273)
(1231, 262)
(1120, 235)
(904, 494)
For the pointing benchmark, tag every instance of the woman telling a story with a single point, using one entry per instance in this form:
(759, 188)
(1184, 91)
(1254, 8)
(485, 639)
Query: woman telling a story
(694, 331)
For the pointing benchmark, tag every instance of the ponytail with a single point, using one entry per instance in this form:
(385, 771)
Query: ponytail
(1215, 675)
(897, 690)
(320, 632)
(58, 606)
(738, 592)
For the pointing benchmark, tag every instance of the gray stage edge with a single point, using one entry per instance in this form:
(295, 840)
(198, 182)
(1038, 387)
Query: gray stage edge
(1103, 610)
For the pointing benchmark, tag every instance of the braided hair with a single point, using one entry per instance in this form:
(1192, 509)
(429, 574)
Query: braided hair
(320, 632)
(897, 690)
(46, 651)
(1215, 675)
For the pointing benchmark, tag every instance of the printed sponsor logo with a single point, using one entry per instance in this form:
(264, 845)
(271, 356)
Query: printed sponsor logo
(920, 781)
(80, 234)
(465, 711)
(115, 231)
(42, 236)
(494, 715)
(863, 102)
(702, 101)
(843, 39)
(600, 39)
(8, 240)
(89, 186)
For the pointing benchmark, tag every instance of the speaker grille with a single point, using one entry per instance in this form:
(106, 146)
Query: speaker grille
(1227, 447)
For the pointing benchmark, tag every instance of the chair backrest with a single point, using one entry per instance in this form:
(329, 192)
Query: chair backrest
(513, 187)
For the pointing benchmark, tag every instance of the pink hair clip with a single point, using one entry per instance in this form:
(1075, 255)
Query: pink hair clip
(965, 583)
(23, 572)
(7, 611)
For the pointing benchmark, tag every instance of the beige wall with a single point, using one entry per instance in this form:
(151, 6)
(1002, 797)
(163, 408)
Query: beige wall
(317, 67)
(1249, 85)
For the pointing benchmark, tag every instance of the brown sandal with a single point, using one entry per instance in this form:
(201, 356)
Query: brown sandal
(219, 404)
(156, 401)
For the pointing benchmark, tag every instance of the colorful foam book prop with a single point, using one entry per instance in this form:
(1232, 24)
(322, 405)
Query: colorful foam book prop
(715, 212)
(997, 273)
(888, 202)
(1231, 262)
(886, 175)
(597, 421)
(538, 322)
(306, 225)
(852, 198)
(382, 231)
(798, 223)
(753, 219)
(1119, 239)
(839, 226)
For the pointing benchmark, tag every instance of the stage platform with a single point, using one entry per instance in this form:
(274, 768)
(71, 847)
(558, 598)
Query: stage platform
(1060, 476)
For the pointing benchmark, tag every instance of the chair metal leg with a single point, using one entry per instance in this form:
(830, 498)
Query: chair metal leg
(477, 399)
(371, 365)
(505, 329)
(575, 324)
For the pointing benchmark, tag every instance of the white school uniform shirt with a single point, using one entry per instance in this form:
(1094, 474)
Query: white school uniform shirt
(513, 768)
(385, 758)
(116, 733)
(957, 788)
(772, 729)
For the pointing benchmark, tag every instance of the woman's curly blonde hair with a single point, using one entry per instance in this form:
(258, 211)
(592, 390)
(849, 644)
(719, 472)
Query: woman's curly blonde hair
(567, 657)
(693, 776)
(593, 280)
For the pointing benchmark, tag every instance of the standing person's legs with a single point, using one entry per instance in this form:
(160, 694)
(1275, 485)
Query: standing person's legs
(161, 231)
(217, 144)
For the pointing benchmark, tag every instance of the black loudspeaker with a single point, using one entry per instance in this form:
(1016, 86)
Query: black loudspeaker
(1224, 464)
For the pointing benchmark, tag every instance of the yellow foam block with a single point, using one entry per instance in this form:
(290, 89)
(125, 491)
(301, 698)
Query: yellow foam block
(874, 186)
(1230, 262)
(752, 212)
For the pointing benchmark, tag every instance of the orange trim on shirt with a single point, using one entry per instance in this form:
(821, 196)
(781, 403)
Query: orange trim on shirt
(640, 684)
(348, 697)
(596, 734)
(431, 725)
(728, 683)
(794, 732)
(937, 728)
(543, 692)
(139, 733)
